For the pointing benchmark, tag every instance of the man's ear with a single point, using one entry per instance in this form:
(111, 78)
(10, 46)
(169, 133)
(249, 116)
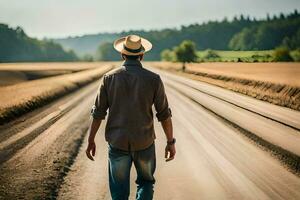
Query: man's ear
(123, 57)
(141, 57)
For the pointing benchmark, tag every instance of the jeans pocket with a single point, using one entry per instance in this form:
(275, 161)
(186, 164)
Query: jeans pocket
(115, 152)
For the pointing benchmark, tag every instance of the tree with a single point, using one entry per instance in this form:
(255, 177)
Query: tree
(292, 42)
(167, 55)
(211, 56)
(185, 52)
(106, 52)
(267, 35)
(242, 18)
(268, 17)
(281, 16)
(87, 58)
(296, 55)
(243, 40)
(282, 54)
(16, 46)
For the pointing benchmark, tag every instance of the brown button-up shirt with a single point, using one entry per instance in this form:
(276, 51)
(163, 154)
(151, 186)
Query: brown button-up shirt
(129, 92)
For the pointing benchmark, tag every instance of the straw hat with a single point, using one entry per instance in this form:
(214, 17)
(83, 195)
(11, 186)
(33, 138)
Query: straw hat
(132, 45)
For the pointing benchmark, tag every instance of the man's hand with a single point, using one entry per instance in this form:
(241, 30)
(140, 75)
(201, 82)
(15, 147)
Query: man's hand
(92, 133)
(170, 152)
(91, 148)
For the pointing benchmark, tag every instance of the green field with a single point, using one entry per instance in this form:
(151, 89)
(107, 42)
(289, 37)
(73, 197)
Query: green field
(235, 56)
(241, 56)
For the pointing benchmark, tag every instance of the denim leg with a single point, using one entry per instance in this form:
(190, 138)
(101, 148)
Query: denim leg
(119, 173)
(145, 163)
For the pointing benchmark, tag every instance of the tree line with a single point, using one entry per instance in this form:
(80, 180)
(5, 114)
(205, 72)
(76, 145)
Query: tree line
(240, 33)
(186, 52)
(16, 46)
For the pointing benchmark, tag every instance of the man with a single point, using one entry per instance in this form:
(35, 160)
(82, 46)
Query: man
(129, 93)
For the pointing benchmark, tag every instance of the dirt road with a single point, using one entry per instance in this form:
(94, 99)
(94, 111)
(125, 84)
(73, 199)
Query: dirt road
(43, 156)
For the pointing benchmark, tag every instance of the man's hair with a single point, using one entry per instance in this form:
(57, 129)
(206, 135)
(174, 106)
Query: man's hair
(130, 57)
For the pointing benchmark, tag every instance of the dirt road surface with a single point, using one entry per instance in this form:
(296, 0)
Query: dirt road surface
(42, 154)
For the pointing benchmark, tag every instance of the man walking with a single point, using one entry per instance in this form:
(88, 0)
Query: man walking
(129, 92)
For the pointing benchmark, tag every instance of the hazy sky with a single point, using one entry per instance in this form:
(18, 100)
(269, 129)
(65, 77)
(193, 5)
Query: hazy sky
(59, 18)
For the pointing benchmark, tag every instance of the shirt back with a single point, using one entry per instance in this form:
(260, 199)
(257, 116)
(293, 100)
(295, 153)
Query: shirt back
(129, 92)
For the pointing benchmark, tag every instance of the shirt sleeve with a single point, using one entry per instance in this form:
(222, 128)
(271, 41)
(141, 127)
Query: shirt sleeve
(161, 105)
(99, 109)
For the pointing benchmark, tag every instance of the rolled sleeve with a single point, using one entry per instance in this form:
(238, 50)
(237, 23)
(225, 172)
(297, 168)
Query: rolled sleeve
(99, 109)
(161, 104)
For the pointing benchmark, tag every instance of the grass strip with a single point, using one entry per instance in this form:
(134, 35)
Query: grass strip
(278, 94)
(19, 99)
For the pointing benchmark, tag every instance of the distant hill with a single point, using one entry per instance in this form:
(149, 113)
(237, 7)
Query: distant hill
(86, 44)
(16, 46)
(241, 33)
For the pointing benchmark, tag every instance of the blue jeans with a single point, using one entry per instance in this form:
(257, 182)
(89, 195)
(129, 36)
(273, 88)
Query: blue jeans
(119, 172)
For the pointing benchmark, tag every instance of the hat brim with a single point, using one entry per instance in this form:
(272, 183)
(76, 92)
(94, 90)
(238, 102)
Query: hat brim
(119, 46)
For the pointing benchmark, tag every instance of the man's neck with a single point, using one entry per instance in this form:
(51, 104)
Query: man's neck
(129, 62)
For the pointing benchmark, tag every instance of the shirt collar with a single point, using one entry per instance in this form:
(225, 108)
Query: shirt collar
(136, 63)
